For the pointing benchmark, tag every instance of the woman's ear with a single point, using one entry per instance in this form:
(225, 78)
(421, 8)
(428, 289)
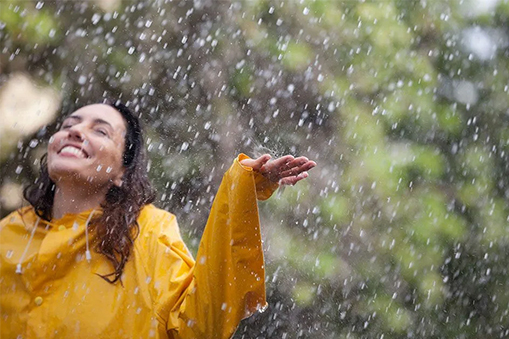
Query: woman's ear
(118, 181)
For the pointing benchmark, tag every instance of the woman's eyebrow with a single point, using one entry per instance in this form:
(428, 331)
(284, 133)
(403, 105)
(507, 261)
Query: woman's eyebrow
(74, 117)
(96, 121)
(101, 121)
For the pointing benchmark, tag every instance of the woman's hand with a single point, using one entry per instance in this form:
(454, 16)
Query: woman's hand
(286, 170)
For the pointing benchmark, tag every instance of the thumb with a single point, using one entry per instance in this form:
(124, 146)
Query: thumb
(256, 164)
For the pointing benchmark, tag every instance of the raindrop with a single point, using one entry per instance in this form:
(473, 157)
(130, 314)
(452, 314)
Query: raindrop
(240, 64)
(95, 18)
(454, 148)
(33, 143)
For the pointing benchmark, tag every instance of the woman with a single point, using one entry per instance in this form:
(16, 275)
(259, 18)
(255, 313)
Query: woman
(91, 257)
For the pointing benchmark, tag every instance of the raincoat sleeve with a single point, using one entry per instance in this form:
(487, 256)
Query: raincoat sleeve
(228, 279)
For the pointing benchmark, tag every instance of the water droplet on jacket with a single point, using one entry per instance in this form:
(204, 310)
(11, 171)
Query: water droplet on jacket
(263, 308)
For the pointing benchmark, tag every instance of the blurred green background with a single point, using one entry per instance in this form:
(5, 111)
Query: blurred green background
(400, 232)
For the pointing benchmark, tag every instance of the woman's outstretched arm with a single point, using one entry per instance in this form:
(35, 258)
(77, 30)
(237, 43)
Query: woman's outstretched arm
(229, 274)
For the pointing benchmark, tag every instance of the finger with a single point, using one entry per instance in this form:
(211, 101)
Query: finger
(294, 163)
(293, 179)
(272, 169)
(256, 164)
(299, 168)
(274, 165)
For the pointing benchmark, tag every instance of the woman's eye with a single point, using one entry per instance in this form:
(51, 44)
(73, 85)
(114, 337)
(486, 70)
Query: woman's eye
(66, 126)
(102, 132)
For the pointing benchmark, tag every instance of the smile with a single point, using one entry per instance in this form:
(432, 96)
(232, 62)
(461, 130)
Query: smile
(73, 151)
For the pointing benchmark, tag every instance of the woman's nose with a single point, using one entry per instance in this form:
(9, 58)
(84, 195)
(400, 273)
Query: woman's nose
(75, 132)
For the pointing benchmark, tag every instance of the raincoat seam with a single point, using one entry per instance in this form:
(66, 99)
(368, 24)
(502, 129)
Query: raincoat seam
(144, 257)
(144, 261)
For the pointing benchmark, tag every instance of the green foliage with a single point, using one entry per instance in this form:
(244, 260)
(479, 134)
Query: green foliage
(296, 56)
(26, 25)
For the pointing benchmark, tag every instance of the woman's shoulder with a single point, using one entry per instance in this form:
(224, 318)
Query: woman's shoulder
(158, 225)
(153, 219)
(150, 213)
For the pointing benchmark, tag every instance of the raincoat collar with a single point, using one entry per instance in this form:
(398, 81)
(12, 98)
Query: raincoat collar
(32, 221)
(29, 218)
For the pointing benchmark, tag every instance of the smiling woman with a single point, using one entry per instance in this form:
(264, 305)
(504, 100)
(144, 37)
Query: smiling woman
(93, 192)
(89, 147)
(109, 171)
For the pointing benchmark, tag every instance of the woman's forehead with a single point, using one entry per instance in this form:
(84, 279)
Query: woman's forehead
(100, 113)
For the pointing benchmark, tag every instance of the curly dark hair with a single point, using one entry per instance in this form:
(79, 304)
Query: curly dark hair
(117, 226)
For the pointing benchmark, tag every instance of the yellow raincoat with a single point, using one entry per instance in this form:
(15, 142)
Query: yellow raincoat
(164, 294)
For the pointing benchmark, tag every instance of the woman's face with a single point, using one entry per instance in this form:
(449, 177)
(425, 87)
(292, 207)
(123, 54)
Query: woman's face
(89, 147)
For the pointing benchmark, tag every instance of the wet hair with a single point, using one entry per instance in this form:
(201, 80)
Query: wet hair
(117, 226)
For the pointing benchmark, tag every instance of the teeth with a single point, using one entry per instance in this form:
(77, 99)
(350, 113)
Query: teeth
(74, 151)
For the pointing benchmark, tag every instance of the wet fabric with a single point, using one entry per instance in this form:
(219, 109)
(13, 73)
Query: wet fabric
(164, 292)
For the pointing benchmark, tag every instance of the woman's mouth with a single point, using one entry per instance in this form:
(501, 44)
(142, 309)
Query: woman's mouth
(73, 151)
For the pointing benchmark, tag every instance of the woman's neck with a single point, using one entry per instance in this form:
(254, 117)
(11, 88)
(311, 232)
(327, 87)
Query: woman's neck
(72, 200)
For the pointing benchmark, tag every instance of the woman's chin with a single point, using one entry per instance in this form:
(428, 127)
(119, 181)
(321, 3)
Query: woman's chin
(66, 173)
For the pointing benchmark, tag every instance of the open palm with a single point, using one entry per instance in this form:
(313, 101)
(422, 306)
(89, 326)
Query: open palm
(286, 170)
